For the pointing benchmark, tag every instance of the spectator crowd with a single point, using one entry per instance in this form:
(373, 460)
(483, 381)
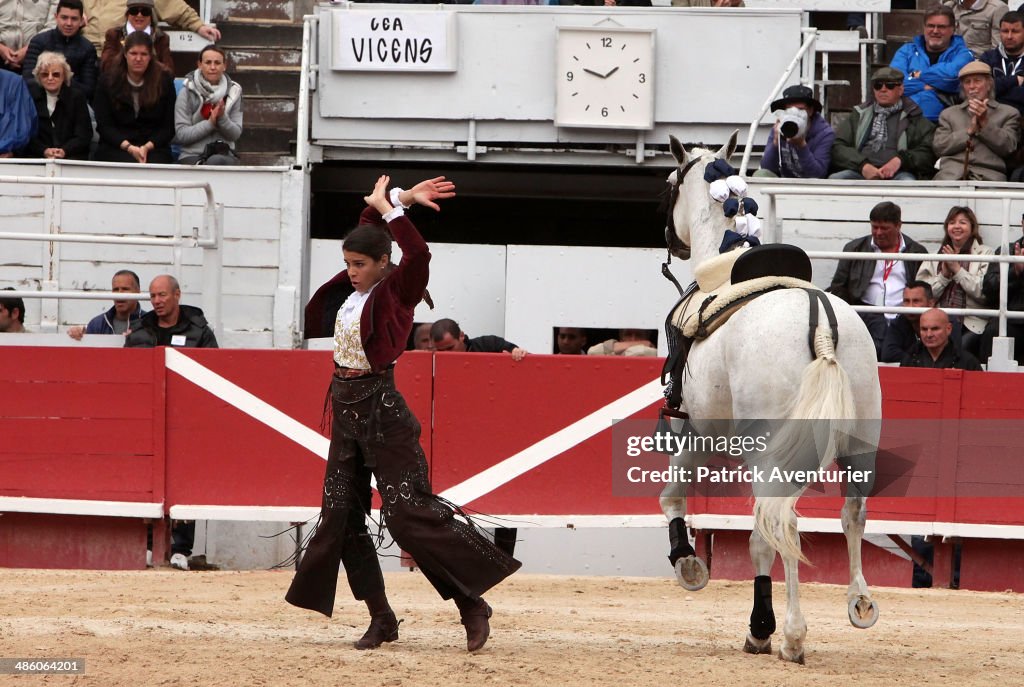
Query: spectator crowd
(94, 79)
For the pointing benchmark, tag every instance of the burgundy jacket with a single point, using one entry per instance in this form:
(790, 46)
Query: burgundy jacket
(386, 320)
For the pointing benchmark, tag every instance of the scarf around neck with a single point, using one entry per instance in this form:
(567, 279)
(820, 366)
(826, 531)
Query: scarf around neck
(879, 133)
(210, 93)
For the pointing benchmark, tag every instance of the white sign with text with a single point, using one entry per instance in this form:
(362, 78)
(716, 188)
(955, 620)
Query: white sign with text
(394, 40)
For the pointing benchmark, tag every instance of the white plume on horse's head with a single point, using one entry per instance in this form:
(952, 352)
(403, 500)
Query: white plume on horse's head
(697, 219)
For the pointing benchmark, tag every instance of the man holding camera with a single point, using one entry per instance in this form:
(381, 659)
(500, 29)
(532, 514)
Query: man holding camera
(800, 145)
(886, 137)
(975, 137)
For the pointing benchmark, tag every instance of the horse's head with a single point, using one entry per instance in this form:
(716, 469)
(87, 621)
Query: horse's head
(695, 221)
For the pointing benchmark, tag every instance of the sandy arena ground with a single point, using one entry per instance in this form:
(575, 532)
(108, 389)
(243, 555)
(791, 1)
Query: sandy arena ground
(162, 627)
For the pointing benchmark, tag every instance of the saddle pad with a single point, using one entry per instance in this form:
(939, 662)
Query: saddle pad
(701, 315)
(714, 273)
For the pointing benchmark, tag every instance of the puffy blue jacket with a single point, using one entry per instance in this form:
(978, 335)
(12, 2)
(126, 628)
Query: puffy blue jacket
(17, 113)
(942, 76)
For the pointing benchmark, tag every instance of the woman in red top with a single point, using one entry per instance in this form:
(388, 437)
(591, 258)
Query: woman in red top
(369, 308)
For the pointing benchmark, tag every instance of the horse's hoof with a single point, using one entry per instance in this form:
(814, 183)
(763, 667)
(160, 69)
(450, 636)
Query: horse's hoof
(692, 573)
(863, 612)
(753, 645)
(799, 658)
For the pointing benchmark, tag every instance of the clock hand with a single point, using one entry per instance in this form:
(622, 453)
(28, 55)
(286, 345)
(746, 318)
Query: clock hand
(595, 73)
(610, 73)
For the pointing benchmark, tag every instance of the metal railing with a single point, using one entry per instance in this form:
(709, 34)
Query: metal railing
(308, 72)
(773, 230)
(207, 236)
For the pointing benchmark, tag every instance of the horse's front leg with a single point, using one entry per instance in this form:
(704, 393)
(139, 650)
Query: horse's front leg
(862, 608)
(795, 629)
(691, 571)
(762, 617)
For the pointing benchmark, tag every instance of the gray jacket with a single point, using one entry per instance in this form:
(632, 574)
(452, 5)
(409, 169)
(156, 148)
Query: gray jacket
(192, 131)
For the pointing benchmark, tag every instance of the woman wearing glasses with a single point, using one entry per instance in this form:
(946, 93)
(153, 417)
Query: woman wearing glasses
(887, 137)
(138, 17)
(134, 107)
(64, 131)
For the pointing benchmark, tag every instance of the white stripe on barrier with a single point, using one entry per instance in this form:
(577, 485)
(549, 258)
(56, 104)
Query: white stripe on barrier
(258, 409)
(547, 448)
(117, 509)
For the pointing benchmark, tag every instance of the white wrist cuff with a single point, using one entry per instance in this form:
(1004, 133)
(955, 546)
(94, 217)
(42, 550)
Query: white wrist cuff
(393, 197)
(394, 213)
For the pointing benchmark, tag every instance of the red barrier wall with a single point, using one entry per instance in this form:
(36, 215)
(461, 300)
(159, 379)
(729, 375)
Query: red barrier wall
(119, 425)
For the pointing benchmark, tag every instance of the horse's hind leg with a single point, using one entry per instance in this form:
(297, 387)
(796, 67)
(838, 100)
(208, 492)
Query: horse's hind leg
(795, 629)
(762, 617)
(862, 608)
(691, 571)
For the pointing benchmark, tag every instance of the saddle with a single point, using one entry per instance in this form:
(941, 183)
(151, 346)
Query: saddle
(752, 273)
(721, 287)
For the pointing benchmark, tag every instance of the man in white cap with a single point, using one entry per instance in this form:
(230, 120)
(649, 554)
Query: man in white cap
(975, 136)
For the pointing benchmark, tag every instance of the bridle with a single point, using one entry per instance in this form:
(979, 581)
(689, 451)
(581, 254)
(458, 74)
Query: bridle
(674, 244)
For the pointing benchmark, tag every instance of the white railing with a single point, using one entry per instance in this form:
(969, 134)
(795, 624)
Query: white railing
(810, 35)
(308, 72)
(1002, 350)
(207, 236)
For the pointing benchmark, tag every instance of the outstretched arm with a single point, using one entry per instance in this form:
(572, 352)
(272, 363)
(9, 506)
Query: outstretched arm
(428, 191)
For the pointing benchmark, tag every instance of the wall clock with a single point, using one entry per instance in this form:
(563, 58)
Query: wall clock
(604, 78)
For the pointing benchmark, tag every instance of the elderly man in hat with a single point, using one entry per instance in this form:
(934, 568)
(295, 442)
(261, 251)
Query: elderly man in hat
(800, 144)
(975, 136)
(886, 137)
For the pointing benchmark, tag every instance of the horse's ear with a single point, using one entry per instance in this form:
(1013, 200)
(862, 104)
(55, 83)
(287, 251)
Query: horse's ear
(678, 152)
(726, 151)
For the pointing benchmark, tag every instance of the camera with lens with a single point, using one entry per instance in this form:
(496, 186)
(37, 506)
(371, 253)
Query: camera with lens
(793, 122)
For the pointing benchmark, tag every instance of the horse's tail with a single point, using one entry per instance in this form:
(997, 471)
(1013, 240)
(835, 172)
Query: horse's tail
(824, 395)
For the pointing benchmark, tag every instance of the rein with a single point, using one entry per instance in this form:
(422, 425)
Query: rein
(672, 241)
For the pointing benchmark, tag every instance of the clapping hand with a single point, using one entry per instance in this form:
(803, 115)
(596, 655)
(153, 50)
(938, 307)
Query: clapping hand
(948, 269)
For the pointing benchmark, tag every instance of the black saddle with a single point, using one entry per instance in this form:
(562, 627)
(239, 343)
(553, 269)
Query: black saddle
(772, 260)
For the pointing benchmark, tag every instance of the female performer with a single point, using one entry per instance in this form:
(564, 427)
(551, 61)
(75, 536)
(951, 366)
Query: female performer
(369, 308)
(134, 106)
(958, 284)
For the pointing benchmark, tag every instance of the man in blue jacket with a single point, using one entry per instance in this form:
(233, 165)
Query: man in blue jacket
(123, 317)
(932, 62)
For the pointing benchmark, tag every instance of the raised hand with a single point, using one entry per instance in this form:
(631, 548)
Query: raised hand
(429, 190)
(378, 198)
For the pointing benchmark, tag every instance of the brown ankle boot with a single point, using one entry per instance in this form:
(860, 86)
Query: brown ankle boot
(383, 624)
(383, 628)
(475, 614)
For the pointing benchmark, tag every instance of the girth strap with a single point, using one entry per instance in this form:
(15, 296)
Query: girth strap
(816, 296)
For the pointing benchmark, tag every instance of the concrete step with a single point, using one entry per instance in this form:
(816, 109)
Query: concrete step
(261, 10)
(274, 59)
(266, 139)
(266, 159)
(260, 35)
(274, 83)
(270, 111)
(902, 23)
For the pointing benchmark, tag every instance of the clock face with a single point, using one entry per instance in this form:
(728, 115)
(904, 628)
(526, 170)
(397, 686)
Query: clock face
(605, 78)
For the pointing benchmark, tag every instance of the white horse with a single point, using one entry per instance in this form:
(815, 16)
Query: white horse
(759, 365)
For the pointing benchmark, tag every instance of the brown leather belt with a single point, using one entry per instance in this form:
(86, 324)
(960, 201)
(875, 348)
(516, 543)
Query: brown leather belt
(349, 372)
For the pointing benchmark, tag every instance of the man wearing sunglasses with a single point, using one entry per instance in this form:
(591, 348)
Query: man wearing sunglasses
(66, 39)
(104, 15)
(886, 137)
(931, 62)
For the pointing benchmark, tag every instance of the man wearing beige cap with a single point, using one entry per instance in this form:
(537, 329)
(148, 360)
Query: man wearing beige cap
(975, 136)
(104, 15)
(886, 137)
